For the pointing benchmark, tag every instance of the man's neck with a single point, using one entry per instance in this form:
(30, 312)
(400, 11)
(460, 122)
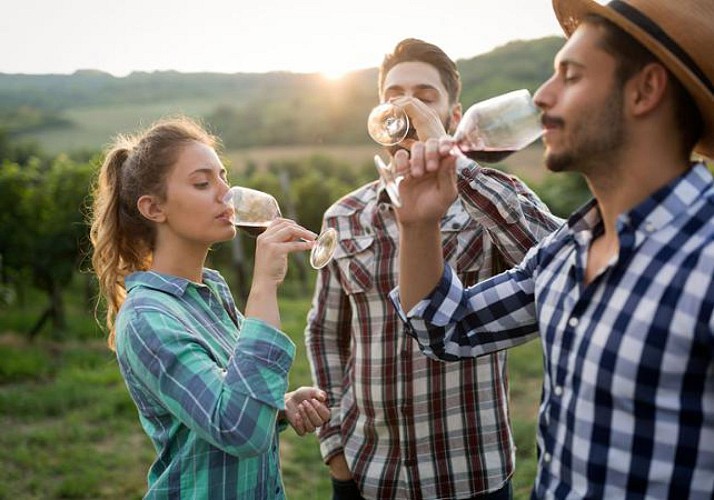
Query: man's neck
(618, 188)
(630, 180)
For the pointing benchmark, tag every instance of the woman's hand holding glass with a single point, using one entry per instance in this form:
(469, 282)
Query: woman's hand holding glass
(254, 211)
(280, 238)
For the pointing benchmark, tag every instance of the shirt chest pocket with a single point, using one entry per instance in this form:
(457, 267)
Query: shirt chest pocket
(356, 260)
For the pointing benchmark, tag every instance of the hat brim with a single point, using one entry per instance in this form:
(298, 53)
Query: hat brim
(571, 12)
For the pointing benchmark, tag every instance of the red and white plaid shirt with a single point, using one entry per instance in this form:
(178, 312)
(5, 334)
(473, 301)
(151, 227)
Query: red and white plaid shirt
(411, 427)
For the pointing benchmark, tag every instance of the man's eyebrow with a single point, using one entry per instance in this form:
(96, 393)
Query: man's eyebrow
(567, 62)
(421, 86)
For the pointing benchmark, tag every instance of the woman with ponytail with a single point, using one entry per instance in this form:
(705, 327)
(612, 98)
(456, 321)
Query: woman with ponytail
(209, 382)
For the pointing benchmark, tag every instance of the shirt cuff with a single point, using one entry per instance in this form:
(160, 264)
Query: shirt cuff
(261, 362)
(268, 342)
(331, 446)
(438, 307)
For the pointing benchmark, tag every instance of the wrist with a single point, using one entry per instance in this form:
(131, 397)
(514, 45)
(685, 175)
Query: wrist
(339, 469)
(263, 289)
(419, 229)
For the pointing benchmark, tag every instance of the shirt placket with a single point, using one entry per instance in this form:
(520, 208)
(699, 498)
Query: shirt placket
(573, 307)
(218, 313)
(383, 222)
(408, 438)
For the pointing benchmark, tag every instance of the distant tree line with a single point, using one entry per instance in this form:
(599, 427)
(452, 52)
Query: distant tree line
(277, 108)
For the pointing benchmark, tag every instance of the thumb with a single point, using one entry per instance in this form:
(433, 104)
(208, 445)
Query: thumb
(318, 394)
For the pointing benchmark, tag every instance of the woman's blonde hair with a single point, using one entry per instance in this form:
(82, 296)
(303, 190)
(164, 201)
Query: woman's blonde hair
(122, 239)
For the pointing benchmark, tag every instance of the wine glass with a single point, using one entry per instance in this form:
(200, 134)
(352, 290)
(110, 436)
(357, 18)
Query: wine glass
(388, 124)
(255, 210)
(493, 129)
(489, 131)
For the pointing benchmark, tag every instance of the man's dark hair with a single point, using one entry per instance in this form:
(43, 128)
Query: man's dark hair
(412, 49)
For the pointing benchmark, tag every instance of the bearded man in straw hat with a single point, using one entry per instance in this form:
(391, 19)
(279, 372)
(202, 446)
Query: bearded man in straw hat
(622, 295)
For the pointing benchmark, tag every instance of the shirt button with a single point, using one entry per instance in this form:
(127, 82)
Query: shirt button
(649, 227)
(547, 458)
(573, 322)
(455, 225)
(558, 390)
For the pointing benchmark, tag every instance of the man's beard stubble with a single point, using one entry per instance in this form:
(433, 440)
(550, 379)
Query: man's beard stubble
(594, 141)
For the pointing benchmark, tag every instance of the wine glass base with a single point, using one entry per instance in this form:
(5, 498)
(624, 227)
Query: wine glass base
(324, 248)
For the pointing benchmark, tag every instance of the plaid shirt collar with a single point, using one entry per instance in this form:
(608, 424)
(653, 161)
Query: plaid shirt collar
(658, 210)
(174, 285)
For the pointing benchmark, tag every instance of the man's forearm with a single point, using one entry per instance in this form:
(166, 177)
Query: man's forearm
(421, 261)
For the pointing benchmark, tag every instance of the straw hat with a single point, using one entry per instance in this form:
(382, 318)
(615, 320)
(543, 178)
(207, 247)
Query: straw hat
(680, 33)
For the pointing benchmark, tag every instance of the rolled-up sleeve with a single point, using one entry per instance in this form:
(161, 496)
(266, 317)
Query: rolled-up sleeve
(234, 408)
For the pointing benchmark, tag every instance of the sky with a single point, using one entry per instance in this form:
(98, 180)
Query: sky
(251, 36)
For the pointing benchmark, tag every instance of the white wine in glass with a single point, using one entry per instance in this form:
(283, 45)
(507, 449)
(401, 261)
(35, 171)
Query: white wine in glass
(255, 210)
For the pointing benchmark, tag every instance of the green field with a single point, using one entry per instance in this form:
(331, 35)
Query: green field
(71, 431)
(94, 127)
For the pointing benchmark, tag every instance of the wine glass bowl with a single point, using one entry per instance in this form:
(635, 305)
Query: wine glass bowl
(388, 124)
(492, 129)
(254, 211)
(252, 208)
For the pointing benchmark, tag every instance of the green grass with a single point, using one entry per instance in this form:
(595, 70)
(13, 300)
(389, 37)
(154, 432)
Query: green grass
(69, 429)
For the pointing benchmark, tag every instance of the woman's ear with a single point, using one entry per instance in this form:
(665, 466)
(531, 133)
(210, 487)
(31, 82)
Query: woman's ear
(151, 208)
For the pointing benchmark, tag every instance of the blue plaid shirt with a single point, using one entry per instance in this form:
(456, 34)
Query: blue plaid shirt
(208, 384)
(627, 407)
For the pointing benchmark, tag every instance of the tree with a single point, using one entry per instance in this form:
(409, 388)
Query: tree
(60, 233)
(43, 236)
(15, 241)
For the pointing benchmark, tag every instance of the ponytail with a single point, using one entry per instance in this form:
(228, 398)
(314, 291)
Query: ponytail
(106, 234)
(123, 240)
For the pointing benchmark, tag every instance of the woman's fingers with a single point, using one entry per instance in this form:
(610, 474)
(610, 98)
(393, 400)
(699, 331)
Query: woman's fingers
(313, 414)
(286, 229)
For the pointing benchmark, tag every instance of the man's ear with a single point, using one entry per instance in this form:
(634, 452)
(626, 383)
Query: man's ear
(456, 114)
(151, 208)
(648, 88)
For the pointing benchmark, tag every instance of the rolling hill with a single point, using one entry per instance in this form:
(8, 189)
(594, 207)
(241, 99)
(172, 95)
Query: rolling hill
(83, 111)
